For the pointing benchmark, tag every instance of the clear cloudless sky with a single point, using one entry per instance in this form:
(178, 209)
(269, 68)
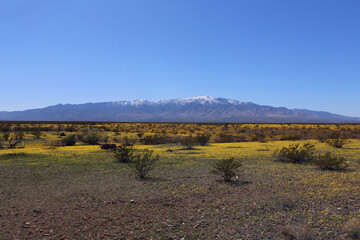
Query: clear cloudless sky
(297, 54)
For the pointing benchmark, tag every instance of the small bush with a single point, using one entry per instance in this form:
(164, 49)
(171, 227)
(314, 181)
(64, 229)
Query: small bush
(337, 143)
(92, 138)
(124, 153)
(328, 161)
(295, 153)
(143, 163)
(227, 168)
(203, 139)
(188, 142)
(108, 146)
(70, 140)
(15, 139)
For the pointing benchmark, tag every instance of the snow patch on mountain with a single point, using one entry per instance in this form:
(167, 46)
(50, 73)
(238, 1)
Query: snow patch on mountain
(181, 101)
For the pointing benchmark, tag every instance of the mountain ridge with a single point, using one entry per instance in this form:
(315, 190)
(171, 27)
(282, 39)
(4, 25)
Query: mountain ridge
(195, 109)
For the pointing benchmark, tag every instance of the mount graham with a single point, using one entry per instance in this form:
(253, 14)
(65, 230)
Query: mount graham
(196, 109)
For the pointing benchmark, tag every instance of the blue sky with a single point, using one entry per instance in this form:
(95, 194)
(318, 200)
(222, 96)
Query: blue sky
(297, 54)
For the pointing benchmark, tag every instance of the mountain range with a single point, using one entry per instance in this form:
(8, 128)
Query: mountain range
(196, 109)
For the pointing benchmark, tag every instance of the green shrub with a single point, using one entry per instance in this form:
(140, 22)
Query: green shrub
(227, 168)
(108, 146)
(295, 153)
(144, 162)
(124, 153)
(328, 161)
(90, 137)
(69, 140)
(337, 143)
(203, 139)
(188, 142)
(15, 139)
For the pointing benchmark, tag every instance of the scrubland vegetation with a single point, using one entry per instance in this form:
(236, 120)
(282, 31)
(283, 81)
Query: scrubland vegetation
(155, 181)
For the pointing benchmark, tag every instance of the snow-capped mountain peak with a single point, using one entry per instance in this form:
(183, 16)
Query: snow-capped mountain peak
(202, 100)
(181, 101)
(194, 109)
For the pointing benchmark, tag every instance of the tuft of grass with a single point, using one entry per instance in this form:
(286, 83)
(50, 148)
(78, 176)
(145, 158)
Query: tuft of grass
(227, 168)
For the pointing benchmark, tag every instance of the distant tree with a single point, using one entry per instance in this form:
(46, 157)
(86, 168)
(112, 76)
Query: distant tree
(15, 139)
(70, 140)
(203, 139)
(188, 142)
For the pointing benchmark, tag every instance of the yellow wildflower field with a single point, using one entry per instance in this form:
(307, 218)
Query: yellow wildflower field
(52, 191)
